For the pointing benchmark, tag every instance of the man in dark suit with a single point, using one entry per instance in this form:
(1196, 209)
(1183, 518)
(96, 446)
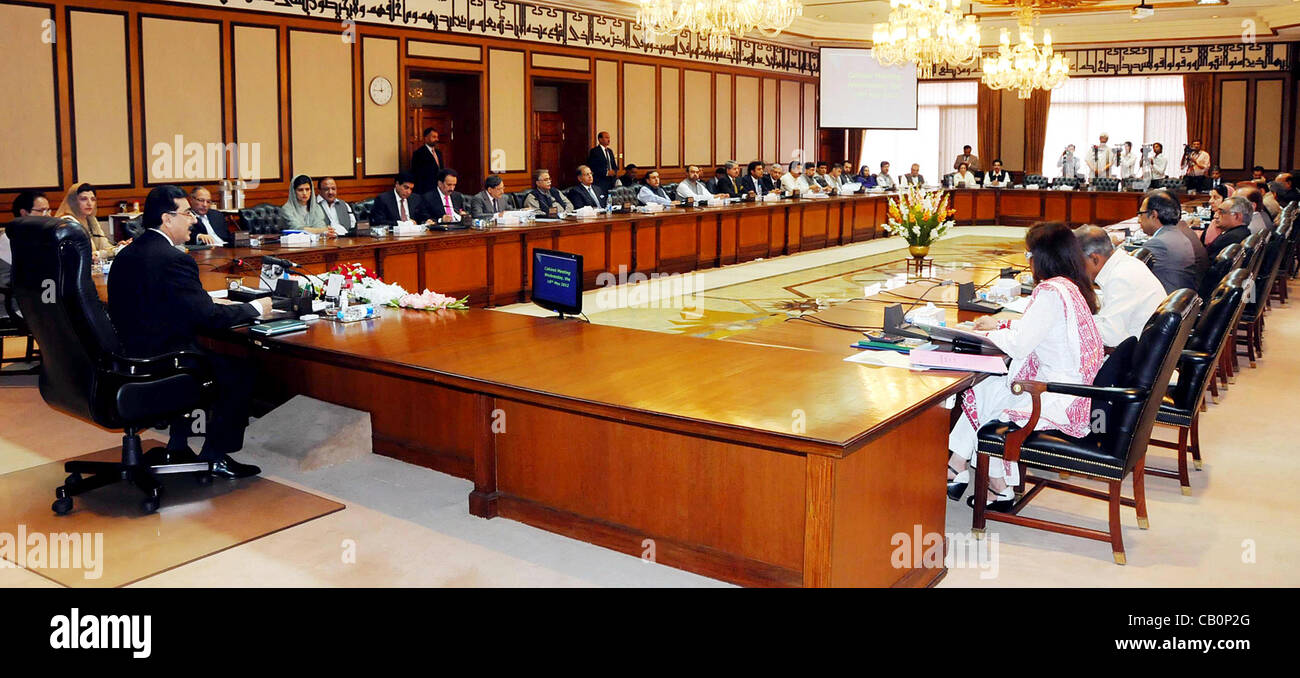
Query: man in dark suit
(1232, 216)
(545, 196)
(1174, 261)
(603, 163)
(444, 204)
(209, 225)
(158, 305)
(729, 180)
(399, 204)
(755, 180)
(492, 200)
(426, 162)
(588, 193)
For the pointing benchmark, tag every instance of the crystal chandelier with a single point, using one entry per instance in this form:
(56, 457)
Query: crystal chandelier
(928, 33)
(1026, 66)
(716, 22)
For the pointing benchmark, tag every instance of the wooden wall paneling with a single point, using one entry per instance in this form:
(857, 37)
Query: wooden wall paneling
(1267, 150)
(1232, 123)
(809, 117)
(697, 98)
(607, 103)
(508, 119)
(174, 52)
(788, 112)
(670, 117)
(29, 126)
(748, 119)
(639, 110)
(258, 92)
(321, 120)
(768, 114)
(382, 145)
(724, 117)
(101, 80)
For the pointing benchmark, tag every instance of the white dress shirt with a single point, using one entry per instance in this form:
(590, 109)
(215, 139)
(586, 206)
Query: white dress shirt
(968, 178)
(790, 182)
(6, 251)
(1130, 294)
(1069, 165)
(1127, 166)
(1155, 167)
(693, 189)
(884, 181)
(403, 207)
(990, 180)
(1099, 160)
(331, 216)
(206, 221)
(647, 196)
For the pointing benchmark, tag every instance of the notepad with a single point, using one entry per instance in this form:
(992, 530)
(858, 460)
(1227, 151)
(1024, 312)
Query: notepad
(966, 362)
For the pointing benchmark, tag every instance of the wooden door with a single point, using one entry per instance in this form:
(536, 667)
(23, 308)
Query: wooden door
(548, 142)
(437, 118)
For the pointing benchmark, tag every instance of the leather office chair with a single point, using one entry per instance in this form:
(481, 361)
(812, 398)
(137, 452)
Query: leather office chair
(1265, 271)
(13, 325)
(1125, 398)
(1229, 259)
(361, 209)
(1105, 184)
(1036, 179)
(622, 195)
(1066, 181)
(133, 228)
(1285, 232)
(671, 190)
(1172, 184)
(712, 185)
(85, 374)
(1145, 256)
(1181, 406)
(519, 197)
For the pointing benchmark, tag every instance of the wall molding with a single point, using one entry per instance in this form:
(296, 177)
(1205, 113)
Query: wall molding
(1161, 60)
(534, 23)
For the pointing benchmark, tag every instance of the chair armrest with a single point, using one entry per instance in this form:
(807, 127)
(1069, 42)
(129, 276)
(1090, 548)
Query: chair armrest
(1197, 357)
(177, 362)
(1108, 393)
(1035, 389)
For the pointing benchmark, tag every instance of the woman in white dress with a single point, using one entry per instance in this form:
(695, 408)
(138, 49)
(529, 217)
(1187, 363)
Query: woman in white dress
(964, 177)
(1055, 339)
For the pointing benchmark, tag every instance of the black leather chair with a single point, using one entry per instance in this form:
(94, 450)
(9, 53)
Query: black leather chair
(1265, 260)
(623, 195)
(13, 325)
(1066, 181)
(671, 190)
(1286, 232)
(1105, 184)
(1036, 179)
(1145, 256)
(262, 219)
(83, 371)
(1181, 406)
(361, 209)
(1229, 258)
(1126, 397)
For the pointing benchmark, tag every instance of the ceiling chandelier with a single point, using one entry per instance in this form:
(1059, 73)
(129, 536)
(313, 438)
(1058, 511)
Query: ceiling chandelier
(716, 22)
(1025, 67)
(928, 33)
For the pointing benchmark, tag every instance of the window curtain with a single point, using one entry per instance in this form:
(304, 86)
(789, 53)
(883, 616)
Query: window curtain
(1137, 109)
(989, 114)
(1036, 127)
(1198, 103)
(946, 119)
(855, 148)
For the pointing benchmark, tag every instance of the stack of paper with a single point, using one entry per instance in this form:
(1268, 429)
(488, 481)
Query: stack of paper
(966, 362)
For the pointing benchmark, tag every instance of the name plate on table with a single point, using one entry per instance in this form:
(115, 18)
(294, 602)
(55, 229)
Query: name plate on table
(408, 228)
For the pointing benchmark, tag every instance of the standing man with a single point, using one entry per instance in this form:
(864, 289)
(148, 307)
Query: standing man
(972, 161)
(210, 226)
(1155, 166)
(158, 306)
(1100, 158)
(1174, 259)
(603, 164)
(337, 212)
(1196, 166)
(587, 193)
(1068, 163)
(492, 200)
(426, 162)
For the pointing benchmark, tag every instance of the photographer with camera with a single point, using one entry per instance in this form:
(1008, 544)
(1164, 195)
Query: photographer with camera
(1196, 165)
(1068, 163)
(1154, 162)
(1100, 158)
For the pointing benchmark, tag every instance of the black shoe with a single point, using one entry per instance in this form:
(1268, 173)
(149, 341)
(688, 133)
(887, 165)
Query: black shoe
(159, 456)
(1002, 505)
(231, 469)
(957, 486)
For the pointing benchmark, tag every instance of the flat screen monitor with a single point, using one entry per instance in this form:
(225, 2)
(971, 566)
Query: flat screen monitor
(557, 281)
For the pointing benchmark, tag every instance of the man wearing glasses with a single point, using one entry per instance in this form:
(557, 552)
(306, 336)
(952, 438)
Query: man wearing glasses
(27, 204)
(158, 306)
(1174, 259)
(210, 225)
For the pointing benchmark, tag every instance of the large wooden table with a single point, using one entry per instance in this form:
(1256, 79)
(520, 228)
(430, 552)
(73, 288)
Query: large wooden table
(493, 267)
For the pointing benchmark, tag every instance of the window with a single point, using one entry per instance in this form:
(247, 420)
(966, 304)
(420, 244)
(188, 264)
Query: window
(946, 120)
(1140, 109)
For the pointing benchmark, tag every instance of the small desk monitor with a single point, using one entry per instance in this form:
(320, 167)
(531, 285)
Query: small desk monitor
(557, 281)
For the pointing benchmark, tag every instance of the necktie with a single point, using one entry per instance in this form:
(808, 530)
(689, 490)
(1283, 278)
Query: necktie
(402, 204)
(495, 208)
(594, 199)
(446, 202)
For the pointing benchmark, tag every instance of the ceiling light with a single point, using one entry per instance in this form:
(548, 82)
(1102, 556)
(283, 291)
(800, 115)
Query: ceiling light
(1211, 2)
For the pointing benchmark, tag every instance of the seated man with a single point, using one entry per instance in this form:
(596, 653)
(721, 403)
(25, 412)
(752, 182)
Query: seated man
(444, 204)
(790, 180)
(835, 178)
(997, 176)
(588, 193)
(628, 178)
(823, 177)
(1130, 292)
(883, 180)
(846, 173)
(399, 204)
(775, 173)
(337, 212)
(1174, 259)
(729, 180)
(1231, 220)
(914, 177)
(210, 227)
(26, 204)
(691, 187)
(490, 202)
(755, 182)
(806, 183)
(545, 197)
(158, 305)
(651, 193)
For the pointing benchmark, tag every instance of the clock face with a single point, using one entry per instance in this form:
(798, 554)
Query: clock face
(381, 90)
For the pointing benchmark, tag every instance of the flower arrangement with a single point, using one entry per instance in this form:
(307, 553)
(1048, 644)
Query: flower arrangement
(430, 301)
(921, 216)
(363, 285)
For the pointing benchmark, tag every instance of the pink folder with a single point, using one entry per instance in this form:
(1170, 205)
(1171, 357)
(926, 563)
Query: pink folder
(966, 362)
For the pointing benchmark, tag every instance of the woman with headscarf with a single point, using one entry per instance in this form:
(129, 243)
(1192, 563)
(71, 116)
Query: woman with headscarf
(78, 206)
(865, 177)
(302, 212)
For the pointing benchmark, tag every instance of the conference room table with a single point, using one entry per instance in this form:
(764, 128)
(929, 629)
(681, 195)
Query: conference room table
(764, 460)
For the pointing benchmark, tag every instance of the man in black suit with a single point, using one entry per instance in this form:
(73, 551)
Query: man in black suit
(444, 204)
(158, 305)
(587, 193)
(1174, 259)
(426, 162)
(210, 225)
(729, 180)
(755, 181)
(603, 163)
(399, 204)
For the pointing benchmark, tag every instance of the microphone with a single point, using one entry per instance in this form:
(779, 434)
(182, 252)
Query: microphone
(277, 261)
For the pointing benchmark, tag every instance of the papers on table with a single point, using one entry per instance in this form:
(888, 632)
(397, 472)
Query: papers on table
(880, 359)
(966, 362)
(810, 194)
(409, 228)
(1018, 306)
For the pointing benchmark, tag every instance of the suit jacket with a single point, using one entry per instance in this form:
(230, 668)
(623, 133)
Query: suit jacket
(433, 207)
(1226, 238)
(1202, 257)
(218, 221)
(601, 160)
(731, 187)
(747, 184)
(581, 198)
(157, 303)
(480, 206)
(386, 213)
(425, 166)
(543, 201)
(1174, 261)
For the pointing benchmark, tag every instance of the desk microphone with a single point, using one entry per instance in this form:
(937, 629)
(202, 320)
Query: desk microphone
(277, 261)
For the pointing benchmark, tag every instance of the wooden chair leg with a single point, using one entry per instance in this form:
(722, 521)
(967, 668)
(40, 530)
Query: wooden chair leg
(981, 493)
(1140, 493)
(1116, 537)
(1182, 462)
(1214, 380)
(1196, 440)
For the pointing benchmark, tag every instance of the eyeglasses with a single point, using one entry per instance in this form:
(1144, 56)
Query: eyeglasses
(187, 213)
(44, 211)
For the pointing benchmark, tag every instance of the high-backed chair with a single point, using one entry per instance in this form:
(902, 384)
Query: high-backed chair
(1229, 259)
(1035, 179)
(1066, 181)
(1279, 290)
(1266, 258)
(671, 190)
(1145, 256)
(1172, 184)
(1181, 407)
(83, 370)
(1105, 184)
(13, 325)
(1125, 399)
(361, 209)
(622, 194)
